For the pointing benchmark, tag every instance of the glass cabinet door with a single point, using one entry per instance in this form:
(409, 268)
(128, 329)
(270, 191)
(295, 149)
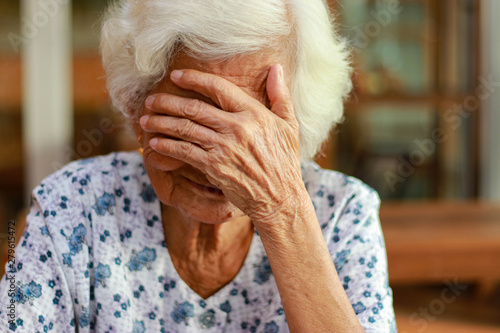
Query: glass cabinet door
(410, 127)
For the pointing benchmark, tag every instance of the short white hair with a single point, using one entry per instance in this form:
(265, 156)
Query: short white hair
(140, 38)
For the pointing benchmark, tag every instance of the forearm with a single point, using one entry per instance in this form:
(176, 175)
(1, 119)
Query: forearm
(312, 295)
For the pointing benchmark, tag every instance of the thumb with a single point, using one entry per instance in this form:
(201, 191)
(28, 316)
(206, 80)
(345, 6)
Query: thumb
(278, 93)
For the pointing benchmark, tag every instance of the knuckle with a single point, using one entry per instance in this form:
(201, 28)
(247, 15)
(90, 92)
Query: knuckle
(243, 130)
(210, 146)
(211, 81)
(192, 108)
(259, 117)
(185, 128)
(185, 149)
(221, 95)
(218, 87)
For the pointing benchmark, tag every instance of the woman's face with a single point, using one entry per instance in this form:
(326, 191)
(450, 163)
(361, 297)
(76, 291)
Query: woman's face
(180, 185)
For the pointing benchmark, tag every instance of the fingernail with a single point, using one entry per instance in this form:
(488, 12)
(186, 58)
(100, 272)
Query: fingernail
(150, 100)
(153, 143)
(143, 121)
(176, 75)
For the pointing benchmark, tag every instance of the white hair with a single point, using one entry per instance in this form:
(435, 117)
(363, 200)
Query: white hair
(140, 38)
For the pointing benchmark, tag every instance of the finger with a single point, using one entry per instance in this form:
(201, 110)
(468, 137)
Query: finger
(190, 108)
(279, 94)
(181, 150)
(228, 96)
(180, 128)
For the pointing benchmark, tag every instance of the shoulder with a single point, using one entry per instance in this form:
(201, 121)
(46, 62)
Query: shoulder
(86, 199)
(336, 188)
(84, 189)
(82, 178)
(343, 204)
(98, 168)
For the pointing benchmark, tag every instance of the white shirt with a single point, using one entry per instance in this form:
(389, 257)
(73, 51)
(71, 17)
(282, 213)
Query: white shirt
(93, 258)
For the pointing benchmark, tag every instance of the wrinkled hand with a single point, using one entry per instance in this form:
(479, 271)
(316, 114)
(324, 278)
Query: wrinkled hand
(249, 152)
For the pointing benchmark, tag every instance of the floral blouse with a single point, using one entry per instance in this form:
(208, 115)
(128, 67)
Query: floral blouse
(93, 258)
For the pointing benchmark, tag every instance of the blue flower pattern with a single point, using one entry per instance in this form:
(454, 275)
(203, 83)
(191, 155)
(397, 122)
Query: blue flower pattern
(141, 259)
(27, 293)
(76, 240)
(263, 271)
(207, 319)
(75, 243)
(104, 204)
(340, 259)
(95, 229)
(102, 272)
(139, 327)
(182, 313)
(85, 317)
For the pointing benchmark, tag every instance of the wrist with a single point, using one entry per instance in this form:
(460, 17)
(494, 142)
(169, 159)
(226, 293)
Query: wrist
(294, 211)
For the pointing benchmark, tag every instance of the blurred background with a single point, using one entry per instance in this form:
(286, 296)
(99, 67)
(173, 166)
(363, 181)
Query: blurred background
(419, 127)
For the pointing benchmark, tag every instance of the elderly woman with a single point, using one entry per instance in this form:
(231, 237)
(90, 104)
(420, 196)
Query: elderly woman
(218, 226)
